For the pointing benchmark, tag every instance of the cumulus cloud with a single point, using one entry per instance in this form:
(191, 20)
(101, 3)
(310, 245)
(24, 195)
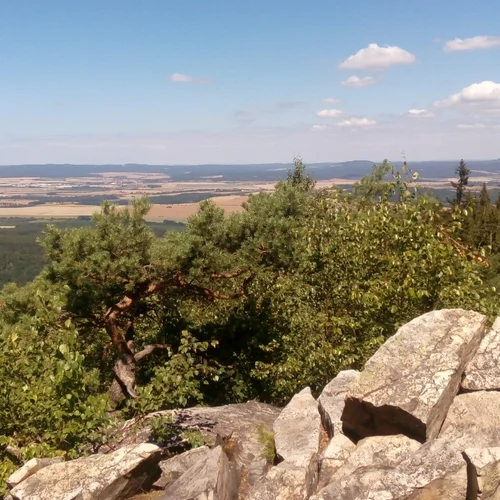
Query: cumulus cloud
(471, 126)
(378, 58)
(329, 113)
(181, 78)
(474, 43)
(486, 92)
(331, 100)
(320, 128)
(358, 82)
(357, 122)
(421, 113)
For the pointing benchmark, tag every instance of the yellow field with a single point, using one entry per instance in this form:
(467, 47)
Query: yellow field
(178, 212)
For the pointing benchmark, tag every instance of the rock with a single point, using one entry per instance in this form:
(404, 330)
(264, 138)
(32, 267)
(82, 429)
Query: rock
(298, 429)
(332, 400)
(334, 457)
(490, 481)
(452, 486)
(408, 385)
(213, 478)
(365, 470)
(385, 477)
(483, 372)
(174, 467)
(297, 433)
(241, 422)
(30, 468)
(472, 420)
(379, 451)
(114, 476)
(288, 482)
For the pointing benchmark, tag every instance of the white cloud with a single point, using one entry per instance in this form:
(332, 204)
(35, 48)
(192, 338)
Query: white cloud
(331, 100)
(357, 82)
(181, 78)
(376, 57)
(478, 93)
(471, 126)
(357, 122)
(320, 128)
(421, 113)
(474, 43)
(329, 113)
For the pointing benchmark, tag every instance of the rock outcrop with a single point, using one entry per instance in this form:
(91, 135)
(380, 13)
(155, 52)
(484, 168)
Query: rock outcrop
(483, 372)
(332, 400)
(115, 476)
(409, 384)
(213, 477)
(420, 422)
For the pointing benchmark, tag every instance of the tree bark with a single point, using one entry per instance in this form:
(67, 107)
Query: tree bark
(123, 384)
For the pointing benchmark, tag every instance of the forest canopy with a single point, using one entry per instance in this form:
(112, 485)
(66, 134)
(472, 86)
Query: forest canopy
(303, 283)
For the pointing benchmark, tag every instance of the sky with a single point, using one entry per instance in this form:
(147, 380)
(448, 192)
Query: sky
(240, 81)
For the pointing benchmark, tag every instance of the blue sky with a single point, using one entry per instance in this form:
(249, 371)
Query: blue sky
(238, 81)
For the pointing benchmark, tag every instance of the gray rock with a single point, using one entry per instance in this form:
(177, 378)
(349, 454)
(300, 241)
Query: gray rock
(288, 482)
(334, 457)
(483, 372)
(452, 486)
(214, 478)
(387, 479)
(490, 481)
(472, 420)
(367, 468)
(379, 451)
(173, 468)
(332, 400)
(408, 385)
(241, 422)
(115, 476)
(297, 430)
(29, 468)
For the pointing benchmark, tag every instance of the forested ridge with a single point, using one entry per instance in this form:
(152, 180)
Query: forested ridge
(255, 305)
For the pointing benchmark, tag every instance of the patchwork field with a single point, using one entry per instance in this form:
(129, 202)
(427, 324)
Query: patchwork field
(72, 191)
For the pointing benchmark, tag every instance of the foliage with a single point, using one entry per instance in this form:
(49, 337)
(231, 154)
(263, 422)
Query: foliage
(166, 434)
(301, 284)
(266, 438)
(49, 403)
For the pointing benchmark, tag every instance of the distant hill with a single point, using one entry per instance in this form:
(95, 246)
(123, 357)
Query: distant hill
(254, 172)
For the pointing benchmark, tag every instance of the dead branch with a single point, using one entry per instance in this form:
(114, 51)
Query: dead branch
(147, 350)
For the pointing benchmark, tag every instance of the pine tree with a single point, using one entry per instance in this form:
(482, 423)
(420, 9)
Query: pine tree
(463, 179)
(484, 197)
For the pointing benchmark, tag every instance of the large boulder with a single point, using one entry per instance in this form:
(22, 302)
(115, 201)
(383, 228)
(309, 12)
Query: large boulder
(409, 384)
(298, 429)
(335, 456)
(243, 423)
(29, 468)
(114, 476)
(483, 372)
(472, 420)
(452, 486)
(215, 477)
(288, 482)
(395, 472)
(297, 433)
(174, 467)
(332, 400)
(366, 468)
